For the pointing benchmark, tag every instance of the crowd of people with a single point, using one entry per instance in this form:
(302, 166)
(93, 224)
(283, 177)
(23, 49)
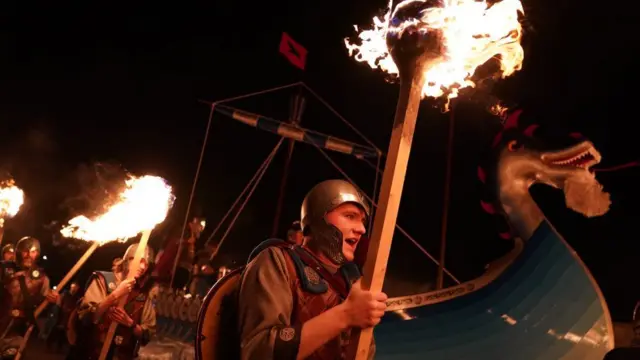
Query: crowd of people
(77, 320)
(296, 300)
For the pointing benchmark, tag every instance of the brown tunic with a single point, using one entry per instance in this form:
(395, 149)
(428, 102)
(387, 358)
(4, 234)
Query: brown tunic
(14, 316)
(143, 314)
(267, 305)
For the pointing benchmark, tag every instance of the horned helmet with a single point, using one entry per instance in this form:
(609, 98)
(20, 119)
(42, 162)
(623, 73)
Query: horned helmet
(321, 199)
(27, 244)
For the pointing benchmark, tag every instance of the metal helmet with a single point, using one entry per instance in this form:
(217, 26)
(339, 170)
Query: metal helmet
(8, 248)
(148, 256)
(320, 200)
(293, 229)
(27, 244)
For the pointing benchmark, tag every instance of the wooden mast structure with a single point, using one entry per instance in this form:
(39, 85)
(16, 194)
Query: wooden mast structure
(298, 103)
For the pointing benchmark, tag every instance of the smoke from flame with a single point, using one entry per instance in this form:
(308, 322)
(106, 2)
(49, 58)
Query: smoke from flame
(473, 32)
(11, 199)
(143, 204)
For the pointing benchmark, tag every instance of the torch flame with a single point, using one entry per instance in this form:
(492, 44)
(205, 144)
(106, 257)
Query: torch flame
(143, 204)
(11, 199)
(472, 31)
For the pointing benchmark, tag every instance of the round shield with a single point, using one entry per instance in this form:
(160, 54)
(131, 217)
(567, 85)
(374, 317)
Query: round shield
(195, 309)
(217, 314)
(184, 308)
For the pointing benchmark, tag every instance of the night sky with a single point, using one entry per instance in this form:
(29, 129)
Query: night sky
(83, 83)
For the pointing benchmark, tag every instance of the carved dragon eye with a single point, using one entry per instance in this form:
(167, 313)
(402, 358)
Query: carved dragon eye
(514, 146)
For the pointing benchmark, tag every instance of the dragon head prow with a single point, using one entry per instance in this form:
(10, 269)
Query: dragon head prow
(583, 155)
(567, 169)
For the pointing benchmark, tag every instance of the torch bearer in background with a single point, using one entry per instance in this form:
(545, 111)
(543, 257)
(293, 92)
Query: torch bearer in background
(145, 219)
(11, 199)
(142, 205)
(434, 48)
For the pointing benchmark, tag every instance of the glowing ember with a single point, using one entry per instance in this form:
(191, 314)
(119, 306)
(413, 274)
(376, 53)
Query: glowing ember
(143, 205)
(472, 32)
(11, 199)
(499, 110)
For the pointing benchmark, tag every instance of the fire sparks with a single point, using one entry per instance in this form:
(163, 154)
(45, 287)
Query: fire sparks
(499, 110)
(11, 199)
(143, 204)
(471, 33)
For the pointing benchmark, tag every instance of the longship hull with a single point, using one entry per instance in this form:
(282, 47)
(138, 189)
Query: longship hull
(544, 306)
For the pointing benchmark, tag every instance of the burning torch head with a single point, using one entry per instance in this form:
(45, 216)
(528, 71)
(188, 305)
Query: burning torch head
(8, 252)
(145, 262)
(27, 251)
(413, 45)
(323, 235)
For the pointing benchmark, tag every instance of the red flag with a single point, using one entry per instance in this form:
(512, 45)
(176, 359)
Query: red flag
(294, 52)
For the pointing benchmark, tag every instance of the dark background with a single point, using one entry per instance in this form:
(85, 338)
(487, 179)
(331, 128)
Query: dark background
(87, 83)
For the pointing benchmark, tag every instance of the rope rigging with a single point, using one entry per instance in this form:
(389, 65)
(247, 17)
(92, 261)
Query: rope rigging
(193, 191)
(265, 163)
(362, 153)
(255, 180)
(319, 141)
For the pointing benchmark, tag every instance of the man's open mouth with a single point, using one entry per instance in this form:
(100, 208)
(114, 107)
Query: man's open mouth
(351, 241)
(583, 155)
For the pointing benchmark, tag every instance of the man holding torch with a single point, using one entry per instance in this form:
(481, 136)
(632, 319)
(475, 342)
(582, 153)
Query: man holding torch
(7, 265)
(301, 302)
(22, 291)
(99, 308)
(143, 203)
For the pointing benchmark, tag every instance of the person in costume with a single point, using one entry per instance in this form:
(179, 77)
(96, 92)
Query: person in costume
(23, 290)
(98, 308)
(204, 275)
(166, 256)
(8, 253)
(301, 302)
(294, 235)
(7, 265)
(55, 331)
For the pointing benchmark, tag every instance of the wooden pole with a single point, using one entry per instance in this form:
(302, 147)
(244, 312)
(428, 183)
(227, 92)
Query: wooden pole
(295, 116)
(70, 274)
(142, 246)
(447, 195)
(390, 193)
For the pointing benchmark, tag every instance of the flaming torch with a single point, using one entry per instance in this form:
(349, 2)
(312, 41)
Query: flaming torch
(433, 48)
(11, 199)
(142, 205)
